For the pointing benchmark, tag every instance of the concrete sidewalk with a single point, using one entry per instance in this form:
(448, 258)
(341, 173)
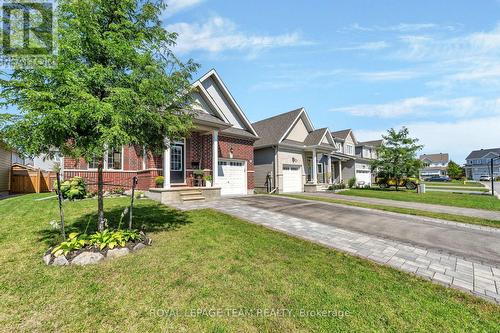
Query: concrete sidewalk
(482, 213)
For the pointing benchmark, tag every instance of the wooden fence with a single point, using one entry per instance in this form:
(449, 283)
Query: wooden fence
(25, 179)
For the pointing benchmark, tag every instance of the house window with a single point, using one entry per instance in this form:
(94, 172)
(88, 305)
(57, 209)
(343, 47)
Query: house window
(94, 163)
(349, 150)
(320, 168)
(114, 159)
(176, 158)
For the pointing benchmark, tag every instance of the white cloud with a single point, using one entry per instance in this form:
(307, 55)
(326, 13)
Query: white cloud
(388, 75)
(424, 106)
(175, 6)
(457, 138)
(370, 46)
(401, 27)
(220, 34)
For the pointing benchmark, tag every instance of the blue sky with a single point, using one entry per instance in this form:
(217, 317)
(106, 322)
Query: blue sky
(433, 66)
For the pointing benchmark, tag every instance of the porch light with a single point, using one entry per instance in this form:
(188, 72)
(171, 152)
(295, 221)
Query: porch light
(231, 152)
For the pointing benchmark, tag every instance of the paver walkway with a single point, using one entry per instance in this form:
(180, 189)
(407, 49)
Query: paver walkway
(482, 213)
(456, 271)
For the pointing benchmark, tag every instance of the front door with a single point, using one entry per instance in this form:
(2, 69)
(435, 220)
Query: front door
(177, 163)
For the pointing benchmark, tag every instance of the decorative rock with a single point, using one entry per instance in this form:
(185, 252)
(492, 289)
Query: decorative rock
(115, 253)
(87, 258)
(139, 246)
(60, 261)
(46, 259)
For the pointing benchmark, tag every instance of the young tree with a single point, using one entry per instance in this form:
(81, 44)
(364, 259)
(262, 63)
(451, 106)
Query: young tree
(397, 157)
(455, 171)
(115, 82)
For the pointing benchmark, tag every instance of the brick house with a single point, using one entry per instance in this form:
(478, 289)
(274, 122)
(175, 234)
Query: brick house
(221, 145)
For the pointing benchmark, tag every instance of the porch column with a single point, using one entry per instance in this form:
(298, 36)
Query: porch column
(340, 172)
(215, 156)
(315, 168)
(330, 171)
(166, 165)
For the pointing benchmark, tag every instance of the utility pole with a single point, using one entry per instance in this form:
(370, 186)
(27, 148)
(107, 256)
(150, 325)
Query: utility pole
(492, 176)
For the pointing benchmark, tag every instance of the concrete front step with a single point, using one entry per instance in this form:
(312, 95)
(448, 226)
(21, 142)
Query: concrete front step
(193, 198)
(189, 193)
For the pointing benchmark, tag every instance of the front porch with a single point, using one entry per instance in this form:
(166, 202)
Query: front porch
(324, 168)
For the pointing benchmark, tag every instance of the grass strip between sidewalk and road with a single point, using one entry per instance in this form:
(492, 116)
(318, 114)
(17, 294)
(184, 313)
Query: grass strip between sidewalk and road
(407, 211)
(464, 200)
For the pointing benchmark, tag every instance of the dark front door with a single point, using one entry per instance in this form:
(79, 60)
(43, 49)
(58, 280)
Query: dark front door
(177, 163)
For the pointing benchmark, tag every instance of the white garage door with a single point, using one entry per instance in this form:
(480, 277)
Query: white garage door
(232, 177)
(364, 177)
(292, 179)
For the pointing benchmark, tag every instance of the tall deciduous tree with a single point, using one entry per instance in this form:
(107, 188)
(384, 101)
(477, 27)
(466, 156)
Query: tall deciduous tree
(115, 82)
(455, 171)
(397, 157)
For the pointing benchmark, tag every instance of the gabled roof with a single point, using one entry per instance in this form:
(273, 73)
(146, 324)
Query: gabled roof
(435, 158)
(212, 74)
(373, 143)
(343, 134)
(482, 153)
(272, 130)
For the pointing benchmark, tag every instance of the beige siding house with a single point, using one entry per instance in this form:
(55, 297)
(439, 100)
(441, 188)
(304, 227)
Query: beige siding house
(292, 156)
(5, 164)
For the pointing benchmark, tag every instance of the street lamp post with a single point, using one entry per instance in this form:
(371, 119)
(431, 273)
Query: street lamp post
(492, 176)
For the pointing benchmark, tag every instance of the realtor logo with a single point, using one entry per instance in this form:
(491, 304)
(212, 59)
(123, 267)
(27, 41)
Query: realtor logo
(28, 29)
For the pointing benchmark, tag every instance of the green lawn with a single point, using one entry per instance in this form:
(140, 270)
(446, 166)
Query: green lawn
(207, 260)
(439, 198)
(400, 210)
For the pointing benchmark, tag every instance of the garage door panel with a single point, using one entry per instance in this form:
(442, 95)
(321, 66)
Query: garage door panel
(232, 177)
(292, 179)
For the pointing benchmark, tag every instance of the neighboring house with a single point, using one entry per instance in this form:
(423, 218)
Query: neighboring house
(5, 165)
(366, 152)
(221, 145)
(435, 165)
(292, 156)
(478, 163)
(357, 157)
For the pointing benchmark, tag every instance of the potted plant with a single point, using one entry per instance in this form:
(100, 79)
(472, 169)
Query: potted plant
(198, 176)
(208, 180)
(159, 181)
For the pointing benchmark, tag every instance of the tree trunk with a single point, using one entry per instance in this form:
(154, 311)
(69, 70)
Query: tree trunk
(397, 184)
(100, 195)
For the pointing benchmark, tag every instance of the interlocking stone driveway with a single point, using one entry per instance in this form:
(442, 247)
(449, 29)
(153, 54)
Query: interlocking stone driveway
(447, 265)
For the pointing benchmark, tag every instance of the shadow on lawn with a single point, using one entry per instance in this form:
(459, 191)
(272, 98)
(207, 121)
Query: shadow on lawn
(148, 218)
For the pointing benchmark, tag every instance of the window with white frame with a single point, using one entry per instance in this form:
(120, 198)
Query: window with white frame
(176, 161)
(114, 161)
(320, 167)
(349, 149)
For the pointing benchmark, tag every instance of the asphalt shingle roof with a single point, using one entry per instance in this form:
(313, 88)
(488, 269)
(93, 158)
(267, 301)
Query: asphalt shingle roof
(341, 134)
(271, 130)
(314, 137)
(482, 152)
(373, 143)
(436, 158)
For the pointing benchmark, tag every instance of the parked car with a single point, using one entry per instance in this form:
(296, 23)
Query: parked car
(438, 179)
(409, 183)
(485, 178)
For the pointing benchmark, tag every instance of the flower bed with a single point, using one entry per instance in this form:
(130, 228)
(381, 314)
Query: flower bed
(83, 249)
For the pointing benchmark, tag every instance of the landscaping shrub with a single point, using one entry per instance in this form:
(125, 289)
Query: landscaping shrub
(352, 182)
(119, 191)
(73, 189)
(340, 186)
(159, 180)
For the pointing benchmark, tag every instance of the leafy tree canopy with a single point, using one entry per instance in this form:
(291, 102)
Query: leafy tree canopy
(455, 171)
(115, 81)
(397, 157)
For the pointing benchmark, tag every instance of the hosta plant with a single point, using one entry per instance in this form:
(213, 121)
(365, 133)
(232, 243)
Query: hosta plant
(75, 242)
